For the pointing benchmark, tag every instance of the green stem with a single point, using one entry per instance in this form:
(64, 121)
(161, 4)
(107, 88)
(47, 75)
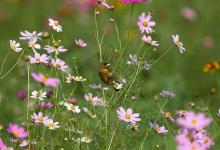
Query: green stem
(28, 101)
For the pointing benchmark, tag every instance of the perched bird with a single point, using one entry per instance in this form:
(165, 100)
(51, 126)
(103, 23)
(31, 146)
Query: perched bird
(106, 75)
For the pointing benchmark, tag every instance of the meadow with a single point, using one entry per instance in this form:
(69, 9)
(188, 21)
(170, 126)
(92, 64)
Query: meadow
(114, 75)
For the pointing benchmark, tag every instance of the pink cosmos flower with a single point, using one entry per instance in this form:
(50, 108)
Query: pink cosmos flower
(38, 118)
(194, 121)
(57, 50)
(167, 115)
(145, 24)
(50, 82)
(2, 144)
(132, 1)
(59, 64)
(80, 43)
(22, 95)
(72, 100)
(191, 146)
(128, 115)
(17, 131)
(38, 58)
(158, 129)
(94, 100)
(188, 13)
(46, 105)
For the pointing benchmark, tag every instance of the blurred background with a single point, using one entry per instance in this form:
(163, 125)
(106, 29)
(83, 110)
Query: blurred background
(196, 22)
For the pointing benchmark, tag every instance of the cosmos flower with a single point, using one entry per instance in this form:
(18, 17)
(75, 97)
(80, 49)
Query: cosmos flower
(84, 139)
(25, 143)
(72, 107)
(51, 124)
(211, 66)
(17, 131)
(94, 100)
(181, 113)
(194, 121)
(132, 1)
(168, 94)
(50, 82)
(15, 46)
(133, 59)
(146, 65)
(117, 85)
(145, 24)
(46, 105)
(39, 118)
(80, 43)
(188, 13)
(78, 78)
(22, 95)
(34, 36)
(158, 129)
(32, 44)
(148, 40)
(128, 115)
(2, 144)
(57, 50)
(38, 58)
(167, 115)
(55, 25)
(99, 87)
(59, 64)
(38, 95)
(177, 42)
(72, 100)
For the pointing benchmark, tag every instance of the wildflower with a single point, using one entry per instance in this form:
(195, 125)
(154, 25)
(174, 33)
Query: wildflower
(80, 43)
(148, 40)
(167, 115)
(25, 143)
(38, 118)
(211, 66)
(17, 131)
(59, 64)
(167, 94)
(15, 46)
(22, 95)
(57, 50)
(194, 121)
(78, 78)
(69, 79)
(132, 1)
(133, 59)
(94, 100)
(106, 5)
(72, 100)
(146, 65)
(46, 105)
(34, 36)
(84, 139)
(2, 144)
(55, 25)
(181, 113)
(32, 44)
(188, 13)
(51, 124)
(128, 116)
(178, 43)
(158, 129)
(145, 24)
(117, 85)
(72, 107)
(50, 82)
(98, 87)
(38, 58)
(38, 95)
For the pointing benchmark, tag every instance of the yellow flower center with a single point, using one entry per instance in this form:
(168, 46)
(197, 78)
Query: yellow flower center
(50, 125)
(73, 107)
(194, 122)
(127, 116)
(13, 46)
(145, 23)
(37, 59)
(58, 66)
(16, 133)
(56, 23)
(78, 78)
(157, 130)
(33, 45)
(44, 79)
(178, 43)
(41, 119)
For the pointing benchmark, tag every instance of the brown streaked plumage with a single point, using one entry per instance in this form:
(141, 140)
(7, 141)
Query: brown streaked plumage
(105, 73)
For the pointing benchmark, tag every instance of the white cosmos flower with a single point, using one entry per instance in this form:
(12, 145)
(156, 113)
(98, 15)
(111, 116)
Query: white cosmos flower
(38, 118)
(32, 44)
(69, 79)
(38, 58)
(55, 25)
(15, 46)
(177, 42)
(57, 50)
(78, 78)
(72, 107)
(59, 64)
(80, 43)
(26, 35)
(51, 124)
(148, 40)
(38, 95)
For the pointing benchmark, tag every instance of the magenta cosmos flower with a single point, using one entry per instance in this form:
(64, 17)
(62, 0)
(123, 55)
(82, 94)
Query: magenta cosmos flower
(132, 1)
(50, 82)
(2, 144)
(17, 131)
(194, 121)
(128, 115)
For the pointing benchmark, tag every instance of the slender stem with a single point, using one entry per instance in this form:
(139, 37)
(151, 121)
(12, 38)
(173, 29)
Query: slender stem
(13, 66)
(113, 134)
(97, 38)
(156, 61)
(28, 100)
(2, 67)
